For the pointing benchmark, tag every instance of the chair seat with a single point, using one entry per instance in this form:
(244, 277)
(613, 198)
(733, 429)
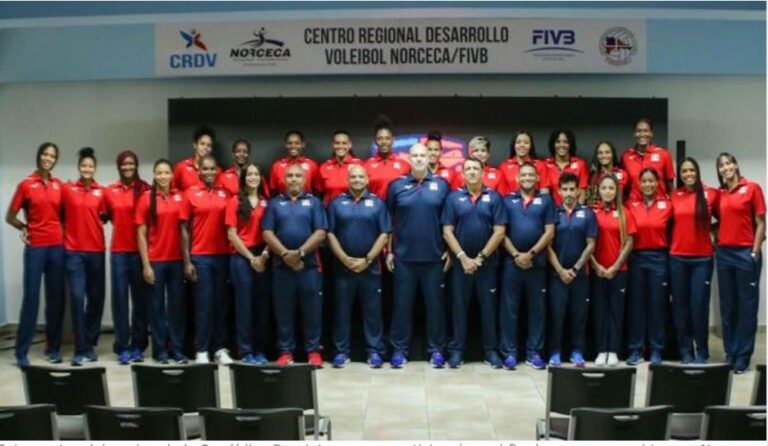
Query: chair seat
(71, 427)
(685, 426)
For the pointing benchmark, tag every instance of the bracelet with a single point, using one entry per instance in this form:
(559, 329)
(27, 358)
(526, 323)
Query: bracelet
(302, 253)
(462, 253)
(481, 256)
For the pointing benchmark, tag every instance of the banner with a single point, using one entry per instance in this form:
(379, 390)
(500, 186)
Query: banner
(401, 46)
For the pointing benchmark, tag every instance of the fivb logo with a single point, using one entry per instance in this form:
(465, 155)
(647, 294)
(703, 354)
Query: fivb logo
(553, 40)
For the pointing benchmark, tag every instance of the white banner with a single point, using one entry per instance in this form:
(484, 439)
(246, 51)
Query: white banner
(401, 46)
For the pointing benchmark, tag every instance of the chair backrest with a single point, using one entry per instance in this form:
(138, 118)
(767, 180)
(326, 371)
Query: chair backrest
(569, 388)
(758, 391)
(172, 386)
(252, 424)
(129, 423)
(35, 422)
(732, 423)
(688, 389)
(273, 387)
(69, 389)
(642, 424)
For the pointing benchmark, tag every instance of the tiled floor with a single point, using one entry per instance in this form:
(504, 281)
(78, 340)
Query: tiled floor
(415, 403)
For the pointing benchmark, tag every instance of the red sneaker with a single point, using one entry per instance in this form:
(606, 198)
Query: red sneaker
(315, 359)
(286, 358)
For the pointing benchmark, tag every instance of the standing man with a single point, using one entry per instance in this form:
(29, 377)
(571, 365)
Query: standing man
(416, 203)
(229, 180)
(186, 173)
(474, 220)
(294, 148)
(575, 234)
(359, 227)
(294, 225)
(531, 227)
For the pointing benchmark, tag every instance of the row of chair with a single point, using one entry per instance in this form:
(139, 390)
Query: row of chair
(686, 393)
(187, 388)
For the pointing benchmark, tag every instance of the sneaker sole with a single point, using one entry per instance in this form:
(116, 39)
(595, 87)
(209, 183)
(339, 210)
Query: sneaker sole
(533, 366)
(495, 366)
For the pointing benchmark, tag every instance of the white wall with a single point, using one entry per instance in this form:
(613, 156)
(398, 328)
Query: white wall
(712, 113)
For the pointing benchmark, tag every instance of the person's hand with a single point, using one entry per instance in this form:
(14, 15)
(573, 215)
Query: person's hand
(567, 275)
(468, 265)
(524, 260)
(149, 274)
(358, 265)
(446, 258)
(611, 272)
(190, 272)
(600, 271)
(298, 266)
(292, 258)
(258, 263)
(390, 262)
(24, 235)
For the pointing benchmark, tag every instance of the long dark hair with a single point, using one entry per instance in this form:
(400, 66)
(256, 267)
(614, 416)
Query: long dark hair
(732, 159)
(244, 207)
(153, 191)
(137, 185)
(568, 135)
(701, 217)
(531, 153)
(42, 148)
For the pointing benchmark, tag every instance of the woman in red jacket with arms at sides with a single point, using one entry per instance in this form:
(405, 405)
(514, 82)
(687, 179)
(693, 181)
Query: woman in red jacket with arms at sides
(604, 161)
(331, 180)
(385, 166)
(562, 148)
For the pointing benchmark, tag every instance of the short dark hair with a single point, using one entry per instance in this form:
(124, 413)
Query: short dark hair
(204, 130)
(382, 122)
(473, 160)
(645, 120)
(241, 141)
(434, 135)
(294, 132)
(568, 177)
(341, 132)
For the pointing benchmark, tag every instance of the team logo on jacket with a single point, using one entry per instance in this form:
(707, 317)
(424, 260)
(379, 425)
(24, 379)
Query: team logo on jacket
(486, 198)
(661, 205)
(97, 193)
(222, 194)
(743, 190)
(177, 197)
(433, 186)
(618, 46)
(579, 214)
(368, 203)
(305, 203)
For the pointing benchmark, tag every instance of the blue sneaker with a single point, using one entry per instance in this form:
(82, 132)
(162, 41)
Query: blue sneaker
(454, 360)
(493, 360)
(162, 358)
(339, 361)
(375, 361)
(78, 360)
(656, 357)
(510, 363)
(124, 357)
(259, 359)
(398, 360)
(635, 358)
(437, 360)
(91, 356)
(740, 366)
(53, 357)
(137, 355)
(687, 358)
(535, 361)
(554, 360)
(179, 358)
(22, 361)
(577, 359)
(247, 359)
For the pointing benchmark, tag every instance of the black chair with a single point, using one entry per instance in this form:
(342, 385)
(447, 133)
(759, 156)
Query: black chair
(758, 391)
(642, 424)
(252, 424)
(688, 389)
(130, 423)
(569, 388)
(732, 423)
(274, 387)
(23, 423)
(70, 389)
(171, 386)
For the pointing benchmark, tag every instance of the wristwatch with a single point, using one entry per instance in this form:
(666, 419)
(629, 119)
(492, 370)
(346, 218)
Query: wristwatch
(481, 256)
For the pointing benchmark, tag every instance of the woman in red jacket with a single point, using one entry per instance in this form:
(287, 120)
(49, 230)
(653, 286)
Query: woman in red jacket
(248, 265)
(331, 180)
(615, 232)
(690, 261)
(562, 148)
(159, 243)
(84, 215)
(604, 161)
(39, 195)
(120, 199)
(521, 151)
(385, 166)
(740, 237)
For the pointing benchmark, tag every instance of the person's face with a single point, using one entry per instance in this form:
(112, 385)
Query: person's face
(419, 158)
(357, 179)
(527, 177)
(569, 192)
(240, 154)
(203, 146)
(384, 141)
(128, 168)
(522, 146)
(688, 173)
(208, 172)
(727, 168)
(648, 184)
(252, 177)
(605, 155)
(607, 190)
(294, 180)
(433, 152)
(562, 146)
(473, 173)
(294, 145)
(48, 158)
(163, 175)
(87, 168)
(481, 153)
(643, 133)
(341, 145)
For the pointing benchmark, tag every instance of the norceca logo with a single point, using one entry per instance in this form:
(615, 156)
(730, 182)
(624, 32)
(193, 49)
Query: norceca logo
(196, 53)
(260, 49)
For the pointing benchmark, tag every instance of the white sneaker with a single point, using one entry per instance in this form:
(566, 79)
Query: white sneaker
(612, 360)
(222, 356)
(600, 361)
(202, 358)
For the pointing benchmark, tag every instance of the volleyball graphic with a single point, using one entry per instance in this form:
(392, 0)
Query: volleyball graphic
(618, 45)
